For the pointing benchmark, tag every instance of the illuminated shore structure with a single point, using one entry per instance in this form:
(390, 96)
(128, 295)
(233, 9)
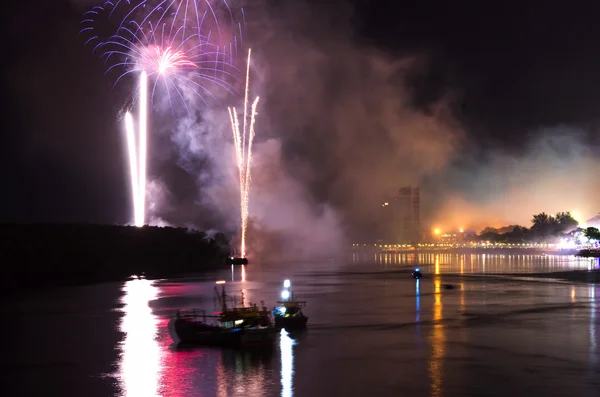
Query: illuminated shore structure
(400, 216)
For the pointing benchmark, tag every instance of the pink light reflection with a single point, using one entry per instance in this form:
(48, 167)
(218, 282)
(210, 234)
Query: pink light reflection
(150, 365)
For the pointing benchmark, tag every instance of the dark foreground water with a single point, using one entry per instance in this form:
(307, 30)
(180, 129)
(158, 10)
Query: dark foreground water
(373, 331)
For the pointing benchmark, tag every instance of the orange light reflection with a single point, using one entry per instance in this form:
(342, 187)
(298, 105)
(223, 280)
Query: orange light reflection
(437, 342)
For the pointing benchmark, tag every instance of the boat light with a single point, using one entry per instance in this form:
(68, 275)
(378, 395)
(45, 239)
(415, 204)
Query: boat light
(285, 294)
(282, 309)
(221, 282)
(417, 270)
(286, 284)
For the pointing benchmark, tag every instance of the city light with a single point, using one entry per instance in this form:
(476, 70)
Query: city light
(436, 231)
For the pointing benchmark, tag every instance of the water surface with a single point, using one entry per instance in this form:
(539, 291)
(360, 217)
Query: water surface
(373, 331)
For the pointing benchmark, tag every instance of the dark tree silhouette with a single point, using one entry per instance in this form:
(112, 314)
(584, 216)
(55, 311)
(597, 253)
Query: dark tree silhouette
(592, 233)
(566, 222)
(46, 255)
(545, 225)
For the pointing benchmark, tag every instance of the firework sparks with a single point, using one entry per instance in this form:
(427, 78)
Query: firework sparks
(181, 44)
(137, 156)
(243, 149)
(164, 60)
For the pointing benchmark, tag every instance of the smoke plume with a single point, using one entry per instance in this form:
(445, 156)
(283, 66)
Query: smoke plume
(349, 128)
(555, 172)
(336, 130)
(341, 122)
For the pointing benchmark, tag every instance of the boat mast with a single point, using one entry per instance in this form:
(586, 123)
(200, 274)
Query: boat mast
(223, 300)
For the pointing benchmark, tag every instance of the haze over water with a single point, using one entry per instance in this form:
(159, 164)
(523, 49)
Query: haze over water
(372, 331)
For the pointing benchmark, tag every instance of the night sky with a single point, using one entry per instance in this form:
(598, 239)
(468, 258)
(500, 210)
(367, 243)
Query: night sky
(499, 77)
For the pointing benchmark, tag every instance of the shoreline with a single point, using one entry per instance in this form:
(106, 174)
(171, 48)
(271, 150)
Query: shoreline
(482, 250)
(41, 256)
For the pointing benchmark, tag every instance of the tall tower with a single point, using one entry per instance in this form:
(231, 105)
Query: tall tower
(409, 208)
(400, 219)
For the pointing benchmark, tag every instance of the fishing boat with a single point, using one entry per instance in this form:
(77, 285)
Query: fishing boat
(236, 260)
(288, 314)
(231, 260)
(236, 326)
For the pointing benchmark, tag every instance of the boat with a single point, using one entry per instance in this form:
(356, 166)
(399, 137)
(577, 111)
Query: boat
(236, 326)
(288, 314)
(236, 260)
(231, 260)
(416, 274)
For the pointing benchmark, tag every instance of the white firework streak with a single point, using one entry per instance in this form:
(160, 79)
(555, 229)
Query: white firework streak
(243, 149)
(137, 156)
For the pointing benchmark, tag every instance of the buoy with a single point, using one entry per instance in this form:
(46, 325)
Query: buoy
(417, 273)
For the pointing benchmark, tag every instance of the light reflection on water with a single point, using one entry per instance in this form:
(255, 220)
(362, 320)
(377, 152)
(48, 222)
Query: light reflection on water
(437, 344)
(150, 366)
(593, 340)
(418, 293)
(286, 345)
(462, 263)
(242, 276)
(140, 354)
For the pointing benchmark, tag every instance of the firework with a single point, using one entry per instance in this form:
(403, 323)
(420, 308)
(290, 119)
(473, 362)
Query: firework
(137, 156)
(243, 149)
(181, 44)
(180, 47)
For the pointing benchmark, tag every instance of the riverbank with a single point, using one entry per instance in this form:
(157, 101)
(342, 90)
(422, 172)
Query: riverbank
(42, 256)
(471, 250)
(582, 276)
(589, 253)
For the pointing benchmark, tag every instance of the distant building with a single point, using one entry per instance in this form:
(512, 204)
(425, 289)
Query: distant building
(400, 216)
(458, 237)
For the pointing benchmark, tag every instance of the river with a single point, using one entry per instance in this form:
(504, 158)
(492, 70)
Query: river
(373, 331)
